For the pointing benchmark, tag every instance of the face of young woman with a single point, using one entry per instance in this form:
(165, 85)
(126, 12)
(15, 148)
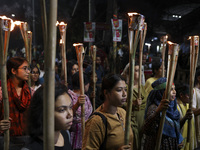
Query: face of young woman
(74, 69)
(63, 112)
(136, 73)
(35, 74)
(22, 73)
(172, 93)
(117, 96)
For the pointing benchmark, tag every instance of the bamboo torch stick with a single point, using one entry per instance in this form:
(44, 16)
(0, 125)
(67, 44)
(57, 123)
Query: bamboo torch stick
(79, 53)
(5, 24)
(164, 44)
(194, 50)
(23, 29)
(44, 22)
(94, 49)
(136, 22)
(63, 28)
(172, 58)
(49, 79)
(142, 39)
(29, 37)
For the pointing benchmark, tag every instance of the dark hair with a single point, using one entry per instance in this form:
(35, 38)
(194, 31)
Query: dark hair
(109, 82)
(75, 80)
(35, 119)
(137, 63)
(196, 76)
(182, 88)
(32, 67)
(155, 66)
(14, 62)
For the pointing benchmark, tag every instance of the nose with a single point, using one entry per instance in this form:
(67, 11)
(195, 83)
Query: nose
(69, 113)
(124, 93)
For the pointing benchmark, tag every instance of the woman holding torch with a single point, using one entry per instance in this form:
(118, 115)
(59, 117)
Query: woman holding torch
(19, 97)
(171, 136)
(109, 135)
(78, 99)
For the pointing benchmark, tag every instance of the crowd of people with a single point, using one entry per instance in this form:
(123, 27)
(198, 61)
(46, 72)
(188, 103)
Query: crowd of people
(105, 124)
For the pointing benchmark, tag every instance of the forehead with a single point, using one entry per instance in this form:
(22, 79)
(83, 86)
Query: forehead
(173, 86)
(24, 64)
(63, 100)
(35, 69)
(120, 83)
(99, 58)
(137, 66)
(75, 66)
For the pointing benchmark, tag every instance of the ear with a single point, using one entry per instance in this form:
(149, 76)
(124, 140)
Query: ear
(13, 71)
(181, 95)
(198, 78)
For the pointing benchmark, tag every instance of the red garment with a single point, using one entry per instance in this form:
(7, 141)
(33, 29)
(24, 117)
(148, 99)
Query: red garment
(18, 106)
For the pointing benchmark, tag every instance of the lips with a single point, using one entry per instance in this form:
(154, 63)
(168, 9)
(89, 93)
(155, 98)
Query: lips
(70, 123)
(124, 100)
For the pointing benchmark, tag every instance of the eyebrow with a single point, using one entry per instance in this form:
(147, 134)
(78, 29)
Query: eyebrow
(64, 106)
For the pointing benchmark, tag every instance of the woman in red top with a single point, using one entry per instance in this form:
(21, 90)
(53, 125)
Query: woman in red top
(19, 97)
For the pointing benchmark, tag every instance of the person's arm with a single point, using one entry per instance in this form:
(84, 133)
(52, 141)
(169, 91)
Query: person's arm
(196, 112)
(152, 120)
(153, 117)
(94, 134)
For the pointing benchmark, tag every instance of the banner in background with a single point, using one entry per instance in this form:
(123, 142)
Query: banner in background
(89, 31)
(117, 29)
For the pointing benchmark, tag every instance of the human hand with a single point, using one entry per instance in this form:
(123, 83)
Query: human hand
(125, 147)
(164, 104)
(81, 100)
(5, 124)
(180, 145)
(188, 114)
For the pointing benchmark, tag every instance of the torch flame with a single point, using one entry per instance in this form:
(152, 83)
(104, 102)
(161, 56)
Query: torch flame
(170, 43)
(61, 23)
(133, 13)
(6, 18)
(18, 23)
(77, 44)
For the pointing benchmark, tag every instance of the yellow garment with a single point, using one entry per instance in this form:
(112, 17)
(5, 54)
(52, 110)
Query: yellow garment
(148, 83)
(183, 109)
(95, 131)
(137, 118)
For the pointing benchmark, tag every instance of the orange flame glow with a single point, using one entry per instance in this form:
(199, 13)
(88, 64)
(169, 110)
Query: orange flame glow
(61, 23)
(133, 13)
(77, 44)
(18, 23)
(170, 43)
(6, 18)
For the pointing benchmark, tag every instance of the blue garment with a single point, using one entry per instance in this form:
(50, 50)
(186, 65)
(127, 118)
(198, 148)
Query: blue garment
(99, 71)
(172, 120)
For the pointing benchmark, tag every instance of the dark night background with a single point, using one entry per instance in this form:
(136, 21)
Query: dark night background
(158, 15)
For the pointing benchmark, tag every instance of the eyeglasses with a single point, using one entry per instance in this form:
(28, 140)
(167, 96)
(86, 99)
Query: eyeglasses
(33, 72)
(25, 68)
